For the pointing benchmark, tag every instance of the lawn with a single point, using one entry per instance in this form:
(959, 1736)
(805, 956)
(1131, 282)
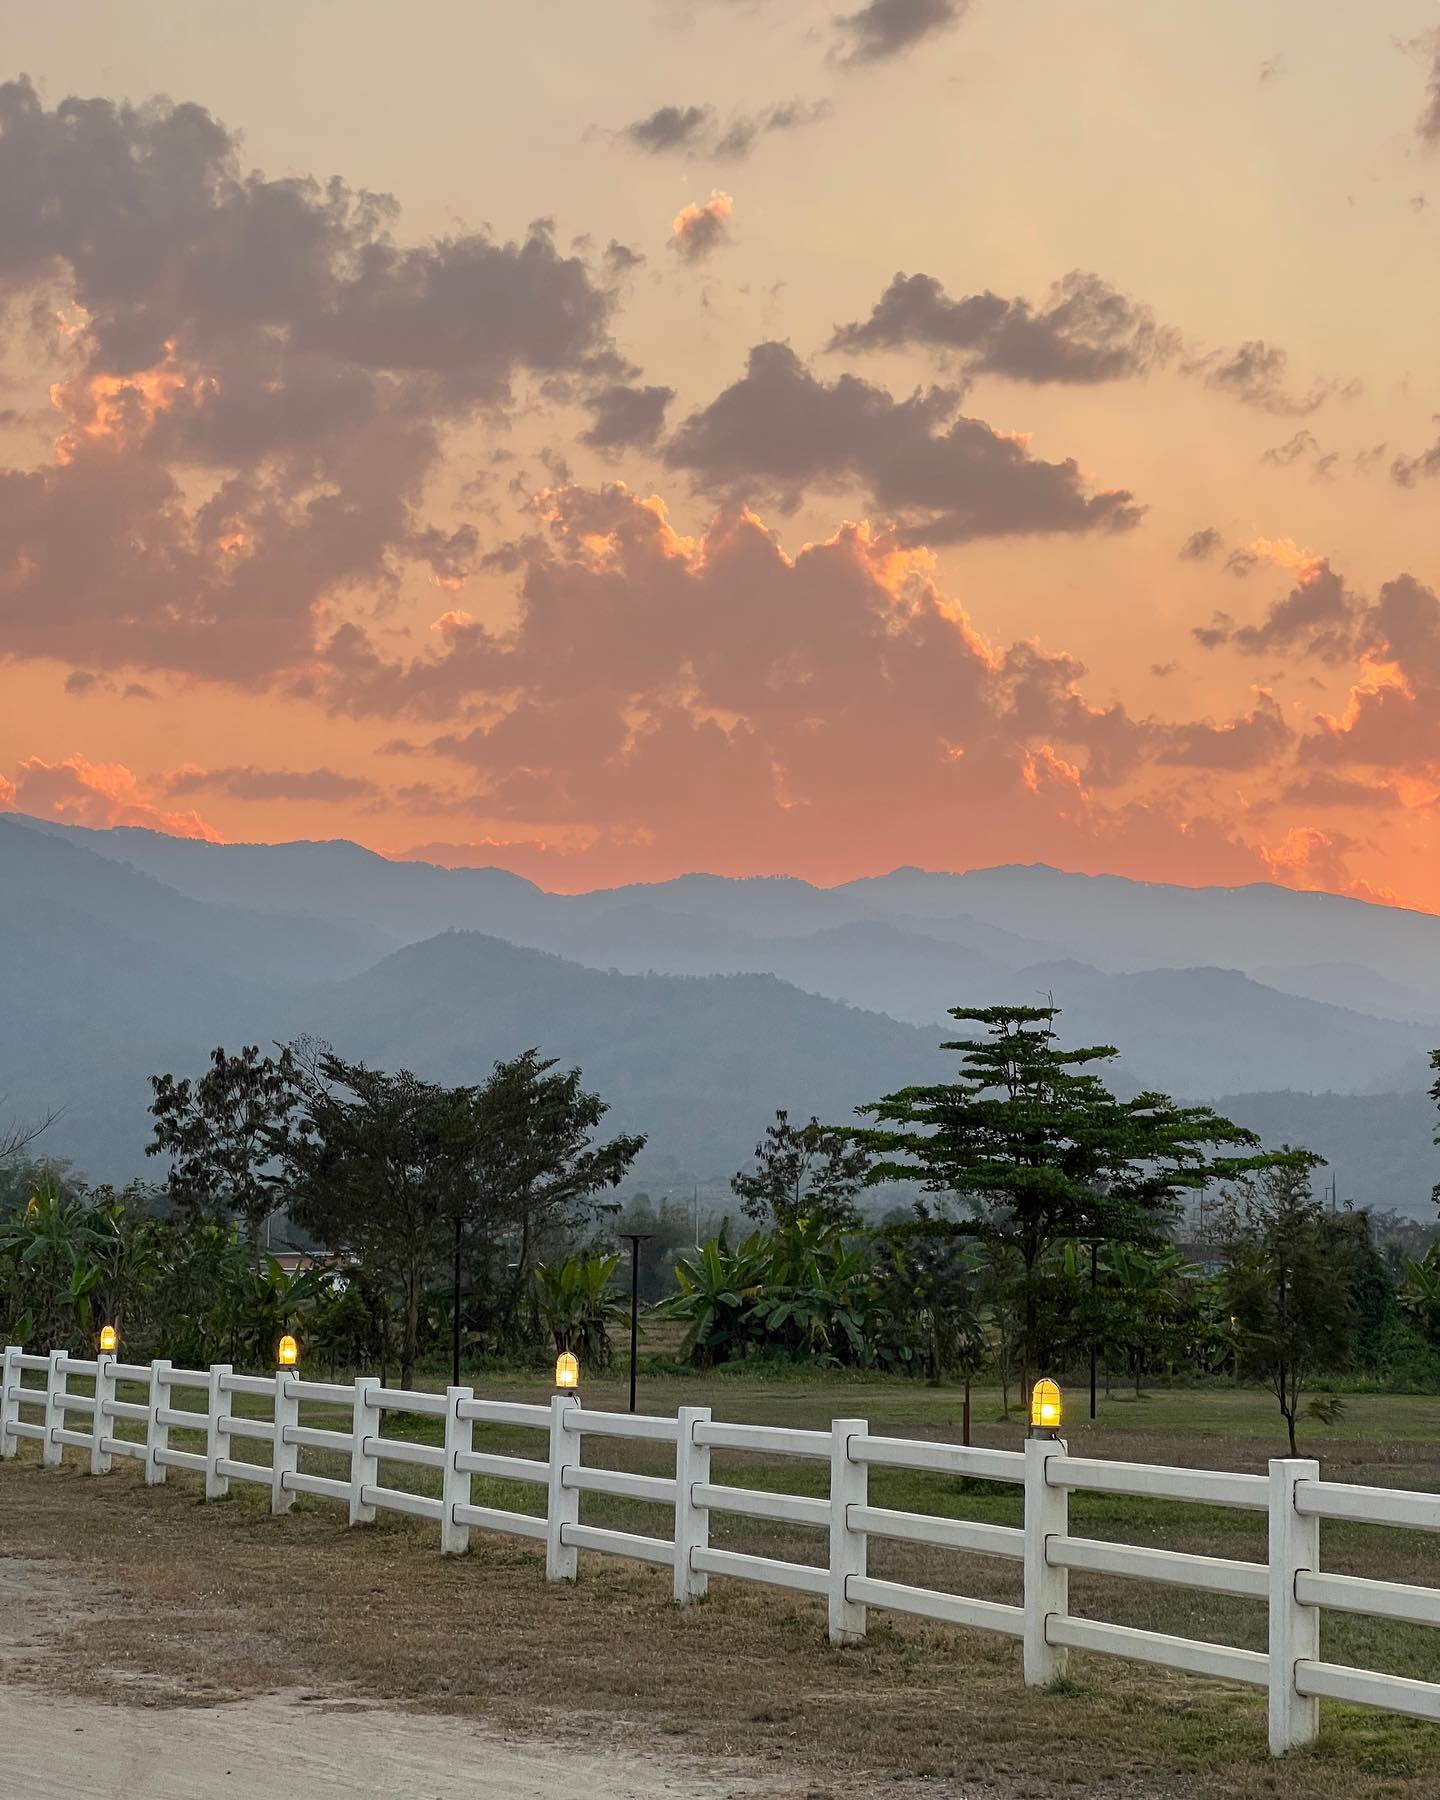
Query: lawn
(226, 1599)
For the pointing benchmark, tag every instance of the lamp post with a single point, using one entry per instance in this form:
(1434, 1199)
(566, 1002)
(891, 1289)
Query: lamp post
(635, 1239)
(1094, 1265)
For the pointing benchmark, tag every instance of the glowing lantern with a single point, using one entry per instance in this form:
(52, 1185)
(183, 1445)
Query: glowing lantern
(567, 1370)
(289, 1352)
(1045, 1408)
(109, 1339)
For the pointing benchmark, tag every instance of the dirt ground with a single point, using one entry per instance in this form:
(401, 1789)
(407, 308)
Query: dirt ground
(134, 1617)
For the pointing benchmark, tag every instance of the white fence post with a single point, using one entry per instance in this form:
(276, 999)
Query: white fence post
(364, 1468)
(1294, 1629)
(217, 1441)
(455, 1482)
(100, 1458)
(562, 1560)
(157, 1435)
(9, 1409)
(54, 1450)
(1047, 1589)
(692, 1522)
(849, 1486)
(285, 1456)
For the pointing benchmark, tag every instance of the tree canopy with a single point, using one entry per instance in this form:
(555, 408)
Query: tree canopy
(1028, 1147)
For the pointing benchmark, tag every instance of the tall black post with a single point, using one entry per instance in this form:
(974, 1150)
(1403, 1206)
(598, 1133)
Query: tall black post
(455, 1313)
(635, 1239)
(1094, 1256)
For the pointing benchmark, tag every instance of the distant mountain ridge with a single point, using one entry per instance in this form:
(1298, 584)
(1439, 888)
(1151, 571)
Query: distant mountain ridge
(697, 1004)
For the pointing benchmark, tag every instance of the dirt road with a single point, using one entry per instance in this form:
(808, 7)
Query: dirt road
(58, 1749)
(311, 1747)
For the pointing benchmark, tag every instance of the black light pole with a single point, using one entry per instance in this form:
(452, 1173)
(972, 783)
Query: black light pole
(635, 1240)
(455, 1313)
(1094, 1256)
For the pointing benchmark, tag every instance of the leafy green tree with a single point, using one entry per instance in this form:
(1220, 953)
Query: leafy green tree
(803, 1171)
(1288, 1282)
(1028, 1147)
(226, 1134)
(396, 1171)
(536, 1171)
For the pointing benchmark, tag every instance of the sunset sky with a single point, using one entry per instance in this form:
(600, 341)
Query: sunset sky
(609, 438)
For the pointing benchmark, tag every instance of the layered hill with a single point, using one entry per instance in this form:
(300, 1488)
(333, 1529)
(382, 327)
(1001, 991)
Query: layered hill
(699, 1005)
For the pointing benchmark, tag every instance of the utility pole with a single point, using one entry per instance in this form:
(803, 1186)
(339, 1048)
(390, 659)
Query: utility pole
(635, 1240)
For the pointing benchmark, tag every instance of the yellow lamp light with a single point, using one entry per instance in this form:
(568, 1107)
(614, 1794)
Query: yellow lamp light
(1046, 1408)
(109, 1339)
(289, 1352)
(567, 1370)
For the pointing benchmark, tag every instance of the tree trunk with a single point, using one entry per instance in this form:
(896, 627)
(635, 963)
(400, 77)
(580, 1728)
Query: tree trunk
(410, 1344)
(965, 1416)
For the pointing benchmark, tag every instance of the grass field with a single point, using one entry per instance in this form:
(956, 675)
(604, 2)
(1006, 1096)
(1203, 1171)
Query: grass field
(226, 1599)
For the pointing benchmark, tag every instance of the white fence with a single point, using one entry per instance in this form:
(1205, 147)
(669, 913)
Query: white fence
(1293, 1496)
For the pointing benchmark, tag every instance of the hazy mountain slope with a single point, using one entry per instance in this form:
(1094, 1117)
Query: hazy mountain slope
(699, 1063)
(1010, 916)
(39, 868)
(1194, 1031)
(338, 880)
(1377, 1145)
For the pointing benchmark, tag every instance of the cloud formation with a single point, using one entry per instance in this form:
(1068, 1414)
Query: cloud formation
(624, 417)
(780, 430)
(883, 29)
(698, 231)
(256, 382)
(250, 783)
(76, 791)
(698, 131)
(1201, 545)
(1085, 332)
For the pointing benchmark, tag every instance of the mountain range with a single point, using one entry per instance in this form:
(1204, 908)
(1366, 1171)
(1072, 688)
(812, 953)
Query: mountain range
(698, 1005)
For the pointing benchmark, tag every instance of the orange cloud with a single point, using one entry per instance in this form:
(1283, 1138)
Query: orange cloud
(76, 791)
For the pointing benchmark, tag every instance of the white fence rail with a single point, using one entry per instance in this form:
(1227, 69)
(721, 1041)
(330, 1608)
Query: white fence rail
(37, 1405)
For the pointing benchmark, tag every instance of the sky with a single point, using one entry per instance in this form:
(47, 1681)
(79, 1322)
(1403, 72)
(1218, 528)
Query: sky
(755, 436)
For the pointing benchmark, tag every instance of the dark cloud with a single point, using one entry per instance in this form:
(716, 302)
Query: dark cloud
(671, 128)
(698, 131)
(886, 28)
(1257, 374)
(779, 430)
(698, 231)
(257, 383)
(85, 681)
(1303, 447)
(1406, 471)
(745, 132)
(1201, 545)
(1317, 618)
(1428, 124)
(1086, 331)
(1237, 744)
(625, 416)
(250, 783)
(1319, 787)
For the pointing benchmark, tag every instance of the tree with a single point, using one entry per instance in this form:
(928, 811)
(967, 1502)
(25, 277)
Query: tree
(376, 1164)
(805, 1170)
(226, 1134)
(1032, 1148)
(395, 1170)
(1288, 1281)
(537, 1163)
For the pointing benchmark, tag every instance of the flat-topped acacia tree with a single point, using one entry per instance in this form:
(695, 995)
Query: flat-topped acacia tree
(1028, 1147)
